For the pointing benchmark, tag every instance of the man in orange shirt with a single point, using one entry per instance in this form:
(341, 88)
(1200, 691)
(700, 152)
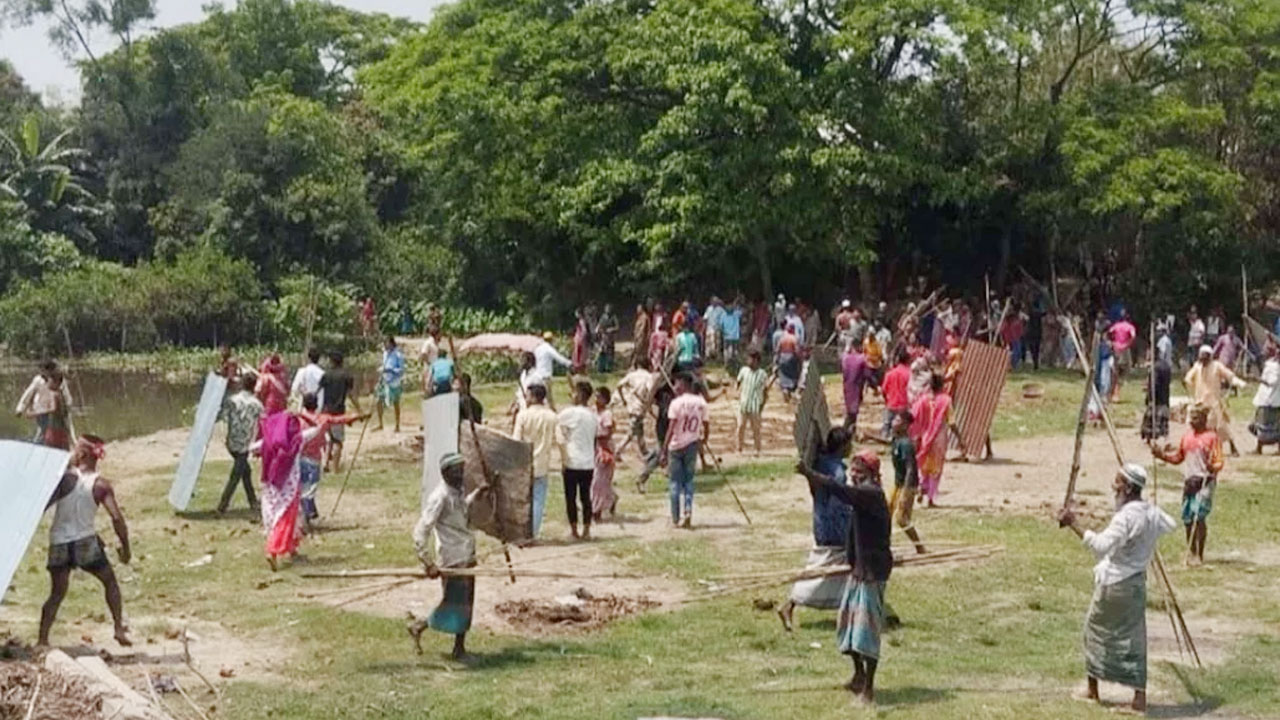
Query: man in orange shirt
(1200, 454)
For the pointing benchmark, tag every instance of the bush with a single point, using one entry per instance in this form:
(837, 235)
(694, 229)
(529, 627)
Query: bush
(336, 313)
(199, 298)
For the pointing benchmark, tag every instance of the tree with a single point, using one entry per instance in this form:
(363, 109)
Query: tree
(42, 178)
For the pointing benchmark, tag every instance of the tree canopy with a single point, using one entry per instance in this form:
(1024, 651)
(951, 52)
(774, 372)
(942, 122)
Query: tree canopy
(529, 154)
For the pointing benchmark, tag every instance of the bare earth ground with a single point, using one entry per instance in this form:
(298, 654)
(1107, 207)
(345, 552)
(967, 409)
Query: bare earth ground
(1027, 477)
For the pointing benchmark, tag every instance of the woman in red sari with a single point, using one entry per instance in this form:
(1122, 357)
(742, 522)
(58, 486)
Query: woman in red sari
(931, 445)
(273, 385)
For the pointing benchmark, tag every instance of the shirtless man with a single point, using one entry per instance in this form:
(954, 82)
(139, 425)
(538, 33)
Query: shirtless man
(73, 543)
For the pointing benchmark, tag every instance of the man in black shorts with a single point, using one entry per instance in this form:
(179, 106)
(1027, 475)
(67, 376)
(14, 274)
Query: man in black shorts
(73, 542)
(336, 385)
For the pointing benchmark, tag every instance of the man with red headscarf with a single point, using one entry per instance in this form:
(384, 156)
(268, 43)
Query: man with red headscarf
(73, 541)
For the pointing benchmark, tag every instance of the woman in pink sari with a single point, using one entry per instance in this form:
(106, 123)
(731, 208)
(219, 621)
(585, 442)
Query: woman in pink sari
(931, 447)
(273, 385)
(281, 448)
(581, 340)
(603, 498)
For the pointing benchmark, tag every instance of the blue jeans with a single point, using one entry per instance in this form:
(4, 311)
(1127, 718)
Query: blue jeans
(539, 502)
(309, 470)
(680, 467)
(1015, 354)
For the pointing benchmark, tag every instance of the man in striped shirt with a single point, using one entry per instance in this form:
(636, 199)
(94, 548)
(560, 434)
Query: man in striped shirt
(752, 389)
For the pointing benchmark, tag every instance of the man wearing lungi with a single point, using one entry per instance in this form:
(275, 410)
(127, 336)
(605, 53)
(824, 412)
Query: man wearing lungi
(1200, 454)
(1115, 629)
(862, 609)
(446, 515)
(830, 528)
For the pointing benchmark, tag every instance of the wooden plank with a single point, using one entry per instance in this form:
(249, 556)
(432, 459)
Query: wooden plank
(184, 479)
(510, 464)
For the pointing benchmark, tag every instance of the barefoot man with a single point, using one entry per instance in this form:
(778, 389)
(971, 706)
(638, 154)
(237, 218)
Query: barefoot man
(1200, 454)
(455, 549)
(73, 542)
(1115, 630)
(862, 608)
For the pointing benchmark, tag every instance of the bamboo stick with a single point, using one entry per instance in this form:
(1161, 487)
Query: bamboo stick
(468, 572)
(350, 466)
(1081, 421)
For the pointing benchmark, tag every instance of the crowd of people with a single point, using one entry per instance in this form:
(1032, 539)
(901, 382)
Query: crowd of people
(911, 359)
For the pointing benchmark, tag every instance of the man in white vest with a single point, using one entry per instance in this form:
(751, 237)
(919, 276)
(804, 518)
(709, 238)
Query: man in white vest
(73, 541)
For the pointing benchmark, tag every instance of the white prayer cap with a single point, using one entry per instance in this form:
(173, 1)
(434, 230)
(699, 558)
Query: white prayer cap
(1205, 350)
(846, 304)
(1134, 474)
(449, 460)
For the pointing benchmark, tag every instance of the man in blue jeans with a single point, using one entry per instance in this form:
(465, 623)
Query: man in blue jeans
(687, 427)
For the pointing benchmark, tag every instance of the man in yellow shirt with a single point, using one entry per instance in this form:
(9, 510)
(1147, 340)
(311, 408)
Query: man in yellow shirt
(536, 424)
(1205, 382)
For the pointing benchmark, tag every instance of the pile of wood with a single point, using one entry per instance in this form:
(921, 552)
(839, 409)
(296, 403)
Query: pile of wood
(30, 692)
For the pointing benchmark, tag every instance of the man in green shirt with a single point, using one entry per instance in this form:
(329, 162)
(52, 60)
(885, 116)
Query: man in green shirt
(752, 386)
(686, 349)
(906, 481)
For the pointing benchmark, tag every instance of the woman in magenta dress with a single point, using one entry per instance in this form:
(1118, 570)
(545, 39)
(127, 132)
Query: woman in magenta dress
(603, 498)
(931, 444)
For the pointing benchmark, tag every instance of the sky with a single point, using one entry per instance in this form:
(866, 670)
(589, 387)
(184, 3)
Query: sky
(46, 71)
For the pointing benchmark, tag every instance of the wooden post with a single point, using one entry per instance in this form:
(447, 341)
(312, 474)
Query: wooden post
(1081, 421)
(1151, 408)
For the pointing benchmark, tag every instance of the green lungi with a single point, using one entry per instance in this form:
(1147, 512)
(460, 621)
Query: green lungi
(1115, 633)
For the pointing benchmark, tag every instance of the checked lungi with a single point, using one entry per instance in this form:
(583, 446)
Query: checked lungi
(1115, 633)
(861, 618)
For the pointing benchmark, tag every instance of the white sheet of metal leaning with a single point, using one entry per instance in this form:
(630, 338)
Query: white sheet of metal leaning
(184, 481)
(31, 474)
(439, 437)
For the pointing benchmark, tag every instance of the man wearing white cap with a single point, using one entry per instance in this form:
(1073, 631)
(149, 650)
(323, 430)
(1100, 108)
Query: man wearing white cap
(1205, 381)
(445, 515)
(1115, 629)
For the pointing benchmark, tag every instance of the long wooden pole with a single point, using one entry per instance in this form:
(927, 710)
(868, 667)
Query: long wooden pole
(1081, 420)
(1151, 409)
(350, 466)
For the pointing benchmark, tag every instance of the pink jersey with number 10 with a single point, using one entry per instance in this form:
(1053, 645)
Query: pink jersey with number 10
(687, 413)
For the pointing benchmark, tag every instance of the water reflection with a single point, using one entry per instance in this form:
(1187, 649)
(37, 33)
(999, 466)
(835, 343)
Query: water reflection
(117, 404)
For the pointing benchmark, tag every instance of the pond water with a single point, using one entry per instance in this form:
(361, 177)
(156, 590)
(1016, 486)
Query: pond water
(118, 404)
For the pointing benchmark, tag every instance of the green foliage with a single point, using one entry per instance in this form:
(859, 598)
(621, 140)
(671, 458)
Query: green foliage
(201, 297)
(43, 178)
(26, 253)
(307, 302)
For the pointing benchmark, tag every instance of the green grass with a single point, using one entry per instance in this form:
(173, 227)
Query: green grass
(997, 639)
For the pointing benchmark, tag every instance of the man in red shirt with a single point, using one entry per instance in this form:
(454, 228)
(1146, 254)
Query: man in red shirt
(894, 388)
(1200, 454)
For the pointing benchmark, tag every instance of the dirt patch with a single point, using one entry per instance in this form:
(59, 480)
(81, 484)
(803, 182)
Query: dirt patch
(59, 697)
(579, 611)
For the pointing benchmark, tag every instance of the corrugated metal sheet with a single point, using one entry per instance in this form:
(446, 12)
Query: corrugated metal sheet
(983, 370)
(813, 419)
(439, 436)
(184, 480)
(31, 474)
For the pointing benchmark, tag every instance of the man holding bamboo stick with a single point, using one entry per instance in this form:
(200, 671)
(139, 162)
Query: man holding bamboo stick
(1115, 630)
(861, 619)
(1200, 454)
(445, 516)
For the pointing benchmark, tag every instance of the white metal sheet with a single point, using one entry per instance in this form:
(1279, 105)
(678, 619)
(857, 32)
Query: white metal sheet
(184, 480)
(31, 474)
(439, 437)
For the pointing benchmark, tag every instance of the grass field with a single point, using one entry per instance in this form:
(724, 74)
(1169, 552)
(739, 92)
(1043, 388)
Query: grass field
(996, 639)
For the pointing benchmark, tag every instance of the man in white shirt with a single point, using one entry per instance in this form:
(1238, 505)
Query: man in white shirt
(429, 353)
(635, 391)
(545, 359)
(445, 516)
(1115, 633)
(1266, 402)
(40, 399)
(537, 424)
(306, 381)
(576, 427)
